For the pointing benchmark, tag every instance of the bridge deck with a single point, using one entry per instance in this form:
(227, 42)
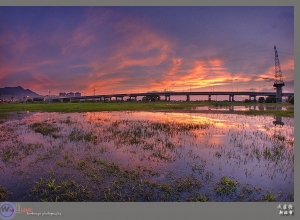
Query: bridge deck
(121, 95)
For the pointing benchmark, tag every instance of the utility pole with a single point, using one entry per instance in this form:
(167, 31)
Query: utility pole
(49, 96)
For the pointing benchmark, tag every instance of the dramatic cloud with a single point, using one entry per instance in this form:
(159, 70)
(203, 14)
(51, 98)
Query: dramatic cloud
(122, 49)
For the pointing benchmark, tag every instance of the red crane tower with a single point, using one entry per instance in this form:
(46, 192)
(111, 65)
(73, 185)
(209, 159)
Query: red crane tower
(278, 83)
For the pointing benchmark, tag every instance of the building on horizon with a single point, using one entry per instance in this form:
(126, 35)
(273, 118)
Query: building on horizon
(70, 94)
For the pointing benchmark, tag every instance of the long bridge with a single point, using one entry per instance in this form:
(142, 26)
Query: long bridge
(278, 84)
(168, 94)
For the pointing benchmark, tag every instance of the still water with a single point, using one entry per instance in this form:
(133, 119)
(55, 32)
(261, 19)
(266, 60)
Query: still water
(147, 156)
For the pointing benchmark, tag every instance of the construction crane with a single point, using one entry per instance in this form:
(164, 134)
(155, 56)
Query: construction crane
(278, 83)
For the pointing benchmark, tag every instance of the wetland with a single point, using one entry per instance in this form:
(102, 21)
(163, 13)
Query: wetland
(189, 155)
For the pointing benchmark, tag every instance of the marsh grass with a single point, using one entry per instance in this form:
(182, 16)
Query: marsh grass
(45, 129)
(279, 137)
(225, 186)
(85, 171)
(9, 153)
(198, 198)
(29, 149)
(114, 183)
(77, 135)
(14, 154)
(4, 194)
(269, 197)
(274, 153)
(49, 190)
(67, 121)
(107, 181)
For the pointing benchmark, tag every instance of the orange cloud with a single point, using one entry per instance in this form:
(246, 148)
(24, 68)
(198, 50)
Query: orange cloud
(139, 45)
(287, 69)
(177, 62)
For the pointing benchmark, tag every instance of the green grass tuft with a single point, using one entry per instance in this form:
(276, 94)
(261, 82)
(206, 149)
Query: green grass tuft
(225, 186)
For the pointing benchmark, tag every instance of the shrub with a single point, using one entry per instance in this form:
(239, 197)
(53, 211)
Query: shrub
(270, 99)
(38, 99)
(261, 99)
(291, 100)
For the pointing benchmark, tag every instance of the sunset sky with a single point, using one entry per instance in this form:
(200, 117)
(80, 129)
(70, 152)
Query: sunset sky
(140, 49)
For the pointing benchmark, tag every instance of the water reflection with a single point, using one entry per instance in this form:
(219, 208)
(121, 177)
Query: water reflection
(245, 108)
(278, 121)
(261, 108)
(251, 149)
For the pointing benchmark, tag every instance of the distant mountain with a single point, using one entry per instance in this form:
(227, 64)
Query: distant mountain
(17, 92)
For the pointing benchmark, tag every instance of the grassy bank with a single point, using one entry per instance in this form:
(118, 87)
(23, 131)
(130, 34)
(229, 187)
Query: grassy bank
(134, 106)
(98, 106)
(287, 113)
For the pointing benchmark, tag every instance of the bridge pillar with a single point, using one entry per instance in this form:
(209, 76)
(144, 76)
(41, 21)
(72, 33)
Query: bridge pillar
(119, 98)
(229, 98)
(254, 97)
(166, 97)
(132, 98)
(209, 98)
(187, 98)
(232, 98)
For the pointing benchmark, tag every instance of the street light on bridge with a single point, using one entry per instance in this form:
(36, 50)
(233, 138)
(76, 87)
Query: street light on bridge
(237, 85)
(49, 96)
(231, 80)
